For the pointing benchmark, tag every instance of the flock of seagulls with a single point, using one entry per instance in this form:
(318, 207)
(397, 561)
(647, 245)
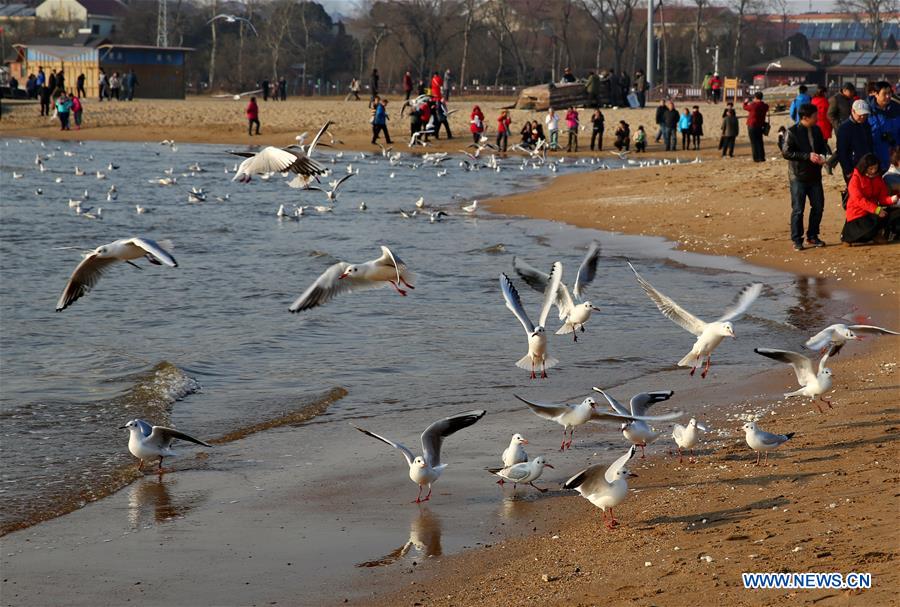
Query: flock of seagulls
(604, 486)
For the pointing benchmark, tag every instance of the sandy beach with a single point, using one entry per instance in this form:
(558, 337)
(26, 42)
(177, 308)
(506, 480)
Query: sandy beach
(827, 502)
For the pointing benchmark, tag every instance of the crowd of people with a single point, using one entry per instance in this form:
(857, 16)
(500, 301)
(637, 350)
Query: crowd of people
(276, 91)
(867, 133)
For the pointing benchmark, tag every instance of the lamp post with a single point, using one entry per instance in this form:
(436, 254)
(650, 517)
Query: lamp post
(649, 76)
(715, 57)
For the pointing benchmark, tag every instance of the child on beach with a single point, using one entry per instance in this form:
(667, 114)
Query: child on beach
(572, 126)
(252, 116)
(640, 140)
(782, 133)
(77, 109)
(684, 127)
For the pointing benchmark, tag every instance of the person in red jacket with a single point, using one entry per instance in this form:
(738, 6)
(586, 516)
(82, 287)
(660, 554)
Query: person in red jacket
(252, 116)
(437, 85)
(476, 123)
(871, 209)
(820, 100)
(407, 84)
(503, 123)
(757, 113)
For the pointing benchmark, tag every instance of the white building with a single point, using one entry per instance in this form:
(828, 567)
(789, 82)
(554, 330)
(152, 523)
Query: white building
(101, 17)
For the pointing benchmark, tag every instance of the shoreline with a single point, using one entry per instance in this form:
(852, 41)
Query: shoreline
(576, 520)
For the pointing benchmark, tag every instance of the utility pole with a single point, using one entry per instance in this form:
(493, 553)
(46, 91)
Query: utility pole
(162, 30)
(715, 57)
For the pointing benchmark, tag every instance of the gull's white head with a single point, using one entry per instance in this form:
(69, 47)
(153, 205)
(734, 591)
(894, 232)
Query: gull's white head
(540, 460)
(419, 462)
(539, 330)
(727, 329)
(102, 251)
(827, 372)
(750, 427)
(589, 401)
(589, 305)
(692, 423)
(132, 426)
(350, 271)
(624, 473)
(519, 439)
(845, 332)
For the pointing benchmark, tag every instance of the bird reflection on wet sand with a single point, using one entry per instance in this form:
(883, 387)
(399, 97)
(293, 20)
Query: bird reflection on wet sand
(424, 536)
(151, 496)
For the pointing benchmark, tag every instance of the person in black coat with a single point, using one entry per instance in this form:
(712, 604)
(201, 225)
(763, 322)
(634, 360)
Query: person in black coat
(854, 138)
(805, 148)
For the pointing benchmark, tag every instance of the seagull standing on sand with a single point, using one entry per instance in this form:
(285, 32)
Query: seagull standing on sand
(537, 339)
(344, 277)
(687, 437)
(639, 432)
(606, 489)
(759, 440)
(835, 336)
(813, 381)
(709, 335)
(574, 316)
(572, 416)
(523, 473)
(98, 261)
(424, 470)
(146, 441)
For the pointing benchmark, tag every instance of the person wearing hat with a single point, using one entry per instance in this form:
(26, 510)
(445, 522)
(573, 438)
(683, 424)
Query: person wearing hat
(854, 138)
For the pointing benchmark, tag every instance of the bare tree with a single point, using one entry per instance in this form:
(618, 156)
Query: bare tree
(615, 19)
(214, 6)
(782, 7)
(741, 8)
(874, 12)
(277, 30)
(695, 41)
(467, 33)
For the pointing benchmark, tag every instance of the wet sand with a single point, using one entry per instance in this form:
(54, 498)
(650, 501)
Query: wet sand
(820, 506)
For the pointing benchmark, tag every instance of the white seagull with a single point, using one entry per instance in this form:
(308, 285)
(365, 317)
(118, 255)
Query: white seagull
(514, 453)
(98, 261)
(471, 208)
(639, 432)
(759, 440)
(344, 277)
(281, 160)
(813, 381)
(234, 19)
(835, 336)
(709, 334)
(537, 339)
(574, 316)
(427, 468)
(523, 472)
(572, 416)
(687, 437)
(146, 441)
(332, 194)
(606, 489)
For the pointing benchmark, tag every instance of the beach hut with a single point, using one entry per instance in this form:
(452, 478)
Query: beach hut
(160, 70)
(862, 67)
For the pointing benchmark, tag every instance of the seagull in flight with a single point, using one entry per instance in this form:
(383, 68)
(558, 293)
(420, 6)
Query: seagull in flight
(572, 416)
(637, 431)
(98, 261)
(332, 194)
(281, 160)
(574, 316)
(425, 469)
(835, 336)
(814, 381)
(537, 339)
(709, 334)
(606, 489)
(233, 19)
(344, 277)
(146, 441)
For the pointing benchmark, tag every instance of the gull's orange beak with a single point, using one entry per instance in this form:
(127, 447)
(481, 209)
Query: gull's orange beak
(344, 275)
(524, 441)
(548, 466)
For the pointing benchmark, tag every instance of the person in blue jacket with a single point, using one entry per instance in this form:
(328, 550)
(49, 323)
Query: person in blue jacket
(884, 119)
(684, 126)
(800, 100)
